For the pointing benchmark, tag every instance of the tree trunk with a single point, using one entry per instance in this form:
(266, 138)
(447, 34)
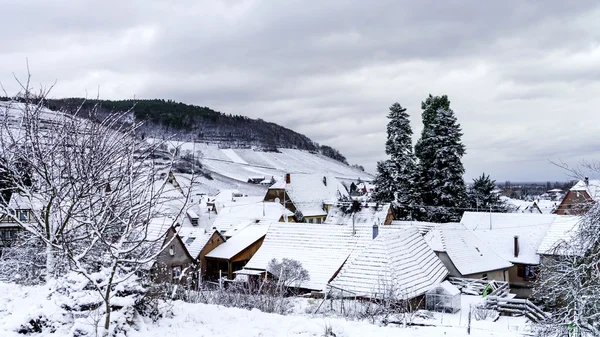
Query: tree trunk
(107, 298)
(49, 263)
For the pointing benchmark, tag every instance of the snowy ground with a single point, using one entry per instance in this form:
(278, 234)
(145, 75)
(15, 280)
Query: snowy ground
(21, 304)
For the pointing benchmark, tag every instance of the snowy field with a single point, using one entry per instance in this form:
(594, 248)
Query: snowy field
(21, 304)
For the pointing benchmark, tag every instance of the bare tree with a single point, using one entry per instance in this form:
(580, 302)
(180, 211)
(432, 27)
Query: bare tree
(569, 277)
(98, 196)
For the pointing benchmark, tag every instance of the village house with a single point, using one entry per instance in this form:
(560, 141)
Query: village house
(233, 254)
(199, 242)
(308, 196)
(465, 255)
(322, 249)
(22, 210)
(396, 264)
(173, 263)
(515, 237)
(580, 197)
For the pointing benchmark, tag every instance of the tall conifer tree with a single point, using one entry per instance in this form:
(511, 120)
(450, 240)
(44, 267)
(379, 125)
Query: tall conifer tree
(396, 176)
(440, 151)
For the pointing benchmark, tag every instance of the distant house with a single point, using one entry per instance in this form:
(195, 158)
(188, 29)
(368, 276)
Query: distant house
(308, 196)
(580, 197)
(397, 264)
(234, 253)
(256, 180)
(465, 255)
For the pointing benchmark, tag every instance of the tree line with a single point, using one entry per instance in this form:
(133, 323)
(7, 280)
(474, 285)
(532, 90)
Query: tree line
(425, 182)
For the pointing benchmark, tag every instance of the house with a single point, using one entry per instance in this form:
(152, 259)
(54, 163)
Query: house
(22, 208)
(322, 249)
(308, 196)
(234, 253)
(580, 197)
(173, 263)
(256, 180)
(465, 255)
(199, 242)
(397, 264)
(515, 237)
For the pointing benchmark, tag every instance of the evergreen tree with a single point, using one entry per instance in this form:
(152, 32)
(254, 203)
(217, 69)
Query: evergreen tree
(482, 196)
(384, 182)
(397, 176)
(440, 151)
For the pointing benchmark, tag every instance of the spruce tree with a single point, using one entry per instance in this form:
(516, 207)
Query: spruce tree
(440, 151)
(482, 196)
(396, 177)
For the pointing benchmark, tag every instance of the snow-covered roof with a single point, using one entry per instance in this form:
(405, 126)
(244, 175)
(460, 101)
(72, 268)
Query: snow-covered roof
(194, 239)
(18, 201)
(562, 229)
(240, 241)
(447, 288)
(421, 226)
(309, 192)
(237, 201)
(397, 263)
(592, 187)
(529, 228)
(373, 214)
(468, 252)
(234, 217)
(320, 248)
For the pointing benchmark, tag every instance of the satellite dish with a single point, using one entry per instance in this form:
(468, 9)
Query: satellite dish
(277, 200)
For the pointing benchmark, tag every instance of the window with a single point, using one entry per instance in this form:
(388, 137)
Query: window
(172, 250)
(190, 240)
(23, 215)
(176, 272)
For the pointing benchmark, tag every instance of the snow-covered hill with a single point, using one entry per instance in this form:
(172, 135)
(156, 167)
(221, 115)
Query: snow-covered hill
(241, 164)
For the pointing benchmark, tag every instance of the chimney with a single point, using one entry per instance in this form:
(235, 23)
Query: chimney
(325, 181)
(375, 231)
(587, 181)
(516, 246)
(287, 178)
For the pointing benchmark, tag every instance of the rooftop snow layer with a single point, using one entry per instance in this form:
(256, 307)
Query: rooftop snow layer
(240, 241)
(234, 217)
(562, 229)
(320, 248)
(592, 188)
(397, 262)
(194, 239)
(373, 214)
(309, 192)
(469, 254)
(529, 228)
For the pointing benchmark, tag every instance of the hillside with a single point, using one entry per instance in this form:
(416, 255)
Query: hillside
(201, 124)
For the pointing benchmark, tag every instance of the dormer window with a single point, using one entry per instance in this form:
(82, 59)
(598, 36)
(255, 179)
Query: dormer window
(23, 215)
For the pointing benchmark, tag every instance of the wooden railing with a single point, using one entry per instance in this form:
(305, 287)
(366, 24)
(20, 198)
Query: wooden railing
(516, 307)
(477, 287)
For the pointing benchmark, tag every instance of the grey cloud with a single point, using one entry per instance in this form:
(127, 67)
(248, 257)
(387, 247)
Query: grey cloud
(522, 75)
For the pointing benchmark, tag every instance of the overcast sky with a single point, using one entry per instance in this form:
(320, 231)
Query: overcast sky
(522, 76)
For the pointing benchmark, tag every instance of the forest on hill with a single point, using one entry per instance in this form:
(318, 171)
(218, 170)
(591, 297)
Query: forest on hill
(186, 122)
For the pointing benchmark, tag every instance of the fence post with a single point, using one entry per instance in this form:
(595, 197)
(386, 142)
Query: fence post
(469, 324)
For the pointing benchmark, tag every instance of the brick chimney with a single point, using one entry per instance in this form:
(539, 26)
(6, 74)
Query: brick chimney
(287, 178)
(516, 246)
